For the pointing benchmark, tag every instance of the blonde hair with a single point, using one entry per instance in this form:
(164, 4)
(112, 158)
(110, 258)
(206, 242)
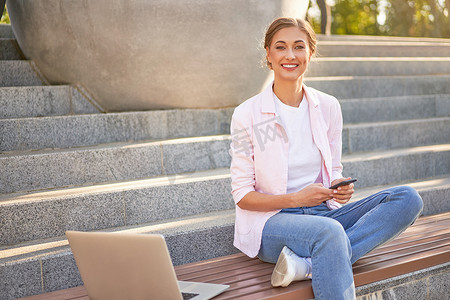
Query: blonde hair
(282, 23)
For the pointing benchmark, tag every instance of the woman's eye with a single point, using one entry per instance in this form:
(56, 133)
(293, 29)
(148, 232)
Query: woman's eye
(279, 47)
(299, 47)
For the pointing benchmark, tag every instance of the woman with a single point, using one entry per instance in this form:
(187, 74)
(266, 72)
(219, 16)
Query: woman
(286, 152)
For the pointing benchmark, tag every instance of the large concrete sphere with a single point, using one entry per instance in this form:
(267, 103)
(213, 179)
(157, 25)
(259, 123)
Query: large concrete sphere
(151, 54)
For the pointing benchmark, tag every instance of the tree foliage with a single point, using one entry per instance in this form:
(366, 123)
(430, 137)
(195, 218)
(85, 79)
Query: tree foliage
(428, 18)
(355, 17)
(422, 18)
(5, 18)
(315, 22)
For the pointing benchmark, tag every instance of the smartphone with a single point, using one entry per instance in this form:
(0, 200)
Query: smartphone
(345, 182)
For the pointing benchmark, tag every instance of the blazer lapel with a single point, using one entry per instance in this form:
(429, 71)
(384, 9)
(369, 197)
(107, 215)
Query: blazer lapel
(319, 130)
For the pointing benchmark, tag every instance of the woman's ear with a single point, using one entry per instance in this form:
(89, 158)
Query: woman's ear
(267, 55)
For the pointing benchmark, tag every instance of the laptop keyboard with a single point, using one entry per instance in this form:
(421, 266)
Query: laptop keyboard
(187, 296)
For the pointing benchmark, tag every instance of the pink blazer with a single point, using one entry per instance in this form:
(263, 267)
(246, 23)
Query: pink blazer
(259, 150)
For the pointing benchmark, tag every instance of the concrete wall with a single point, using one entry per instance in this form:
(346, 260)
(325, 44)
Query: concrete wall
(135, 55)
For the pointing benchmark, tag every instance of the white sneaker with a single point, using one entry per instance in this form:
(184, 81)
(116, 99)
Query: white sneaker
(290, 267)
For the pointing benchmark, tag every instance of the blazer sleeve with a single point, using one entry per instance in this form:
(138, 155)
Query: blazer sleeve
(242, 156)
(335, 139)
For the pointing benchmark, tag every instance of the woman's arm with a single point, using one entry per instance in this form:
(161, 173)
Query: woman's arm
(311, 195)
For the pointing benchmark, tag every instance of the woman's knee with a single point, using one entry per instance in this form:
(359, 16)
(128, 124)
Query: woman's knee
(333, 236)
(411, 198)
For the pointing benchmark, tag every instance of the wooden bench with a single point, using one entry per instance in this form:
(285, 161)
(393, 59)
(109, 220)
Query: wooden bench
(423, 245)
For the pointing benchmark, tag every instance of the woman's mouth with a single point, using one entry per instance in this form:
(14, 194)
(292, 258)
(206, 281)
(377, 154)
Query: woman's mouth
(289, 66)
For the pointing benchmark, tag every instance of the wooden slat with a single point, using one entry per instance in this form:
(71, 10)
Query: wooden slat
(444, 239)
(235, 293)
(401, 266)
(209, 277)
(425, 227)
(233, 276)
(425, 244)
(298, 290)
(211, 263)
(404, 240)
(432, 218)
(261, 275)
(404, 253)
(217, 270)
(428, 228)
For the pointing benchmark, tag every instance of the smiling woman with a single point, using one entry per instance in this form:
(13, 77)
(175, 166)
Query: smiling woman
(288, 56)
(286, 154)
(289, 49)
(304, 27)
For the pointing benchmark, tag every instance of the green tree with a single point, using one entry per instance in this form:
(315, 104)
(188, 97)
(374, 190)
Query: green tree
(396, 25)
(5, 18)
(422, 18)
(313, 20)
(355, 17)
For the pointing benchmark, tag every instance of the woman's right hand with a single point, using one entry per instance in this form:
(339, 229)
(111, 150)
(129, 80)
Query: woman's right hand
(312, 195)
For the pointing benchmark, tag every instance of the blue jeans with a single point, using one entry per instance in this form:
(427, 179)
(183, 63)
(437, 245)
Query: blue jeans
(336, 239)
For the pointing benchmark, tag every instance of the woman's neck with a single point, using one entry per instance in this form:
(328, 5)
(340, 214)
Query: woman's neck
(289, 92)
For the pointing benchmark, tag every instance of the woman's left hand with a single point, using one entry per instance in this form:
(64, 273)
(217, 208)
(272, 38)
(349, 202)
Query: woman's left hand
(343, 193)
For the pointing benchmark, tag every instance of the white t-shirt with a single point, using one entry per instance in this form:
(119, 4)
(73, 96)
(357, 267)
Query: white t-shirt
(304, 162)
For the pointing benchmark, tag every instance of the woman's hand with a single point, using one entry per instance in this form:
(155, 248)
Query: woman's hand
(343, 193)
(312, 195)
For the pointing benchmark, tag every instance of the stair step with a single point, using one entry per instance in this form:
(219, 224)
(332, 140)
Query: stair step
(126, 161)
(380, 39)
(378, 66)
(85, 130)
(345, 87)
(394, 108)
(50, 266)
(395, 134)
(383, 48)
(112, 162)
(137, 201)
(94, 129)
(434, 193)
(19, 73)
(410, 164)
(6, 31)
(39, 101)
(72, 131)
(9, 49)
(47, 214)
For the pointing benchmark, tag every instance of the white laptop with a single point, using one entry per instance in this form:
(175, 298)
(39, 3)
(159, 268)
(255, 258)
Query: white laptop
(132, 266)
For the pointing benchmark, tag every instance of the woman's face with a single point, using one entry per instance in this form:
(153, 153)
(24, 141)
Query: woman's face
(289, 53)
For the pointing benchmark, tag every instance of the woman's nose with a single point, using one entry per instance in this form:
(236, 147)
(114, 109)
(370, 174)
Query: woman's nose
(290, 54)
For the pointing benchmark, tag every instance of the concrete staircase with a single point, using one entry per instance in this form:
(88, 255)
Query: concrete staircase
(64, 165)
